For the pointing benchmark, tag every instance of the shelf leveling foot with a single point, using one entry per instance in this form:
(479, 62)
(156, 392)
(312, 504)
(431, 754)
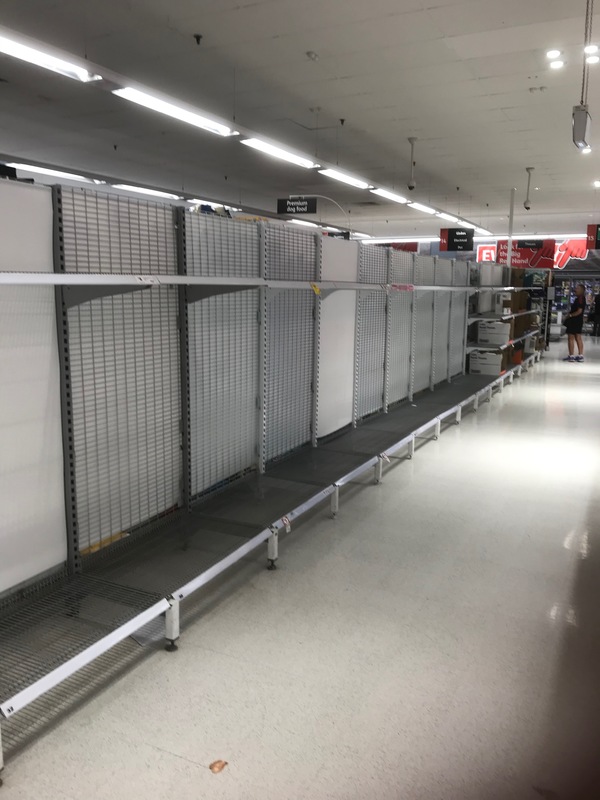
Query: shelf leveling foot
(172, 626)
(273, 549)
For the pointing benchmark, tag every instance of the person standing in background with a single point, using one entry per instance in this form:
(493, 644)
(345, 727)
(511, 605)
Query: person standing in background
(596, 317)
(574, 324)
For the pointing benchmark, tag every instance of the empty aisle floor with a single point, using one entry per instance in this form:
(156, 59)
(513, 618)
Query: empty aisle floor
(440, 640)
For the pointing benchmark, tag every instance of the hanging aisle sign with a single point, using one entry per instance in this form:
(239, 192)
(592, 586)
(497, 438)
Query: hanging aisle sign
(593, 237)
(297, 205)
(456, 240)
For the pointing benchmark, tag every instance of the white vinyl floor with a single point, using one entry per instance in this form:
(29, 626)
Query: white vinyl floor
(439, 641)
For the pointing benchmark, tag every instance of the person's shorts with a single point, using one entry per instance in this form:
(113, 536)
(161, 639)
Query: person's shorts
(574, 326)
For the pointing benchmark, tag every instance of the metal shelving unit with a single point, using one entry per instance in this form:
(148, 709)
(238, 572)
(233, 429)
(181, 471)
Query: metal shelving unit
(190, 352)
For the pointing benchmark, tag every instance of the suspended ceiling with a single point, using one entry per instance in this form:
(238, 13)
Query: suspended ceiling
(469, 79)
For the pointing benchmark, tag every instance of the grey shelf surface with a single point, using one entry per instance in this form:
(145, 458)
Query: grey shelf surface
(40, 632)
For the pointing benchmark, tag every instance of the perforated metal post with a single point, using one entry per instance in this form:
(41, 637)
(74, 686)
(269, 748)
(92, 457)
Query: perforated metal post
(64, 359)
(465, 333)
(388, 333)
(413, 349)
(379, 470)
(314, 425)
(433, 330)
(184, 359)
(262, 357)
(449, 335)
(172, 630)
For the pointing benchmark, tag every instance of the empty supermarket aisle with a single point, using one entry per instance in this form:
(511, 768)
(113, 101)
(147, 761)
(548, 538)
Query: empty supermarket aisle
(438, 640)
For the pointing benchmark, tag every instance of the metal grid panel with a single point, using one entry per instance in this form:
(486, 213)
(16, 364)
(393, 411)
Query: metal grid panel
(224, 374)
(370, 353)
(219, 247)
(400, 327)
(43, 633)
(460, 273)
(442, 329)
(443, 272)
(290, 254)
(373, 264)
(423, 339)
(402, 269)
(112, 234)
(288, 396)
(424, 270)
(126, 412)
(460, 303)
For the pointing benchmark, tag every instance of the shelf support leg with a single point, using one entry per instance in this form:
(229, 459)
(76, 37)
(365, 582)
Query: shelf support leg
(379, 470)
(273, 549)
(1, 756)
(411, 447)
(335, 502)
(438, 428)
(172, 626)
(458, 417)
(476, 403)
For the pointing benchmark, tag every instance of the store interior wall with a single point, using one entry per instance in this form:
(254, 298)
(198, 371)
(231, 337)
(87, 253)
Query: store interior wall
(32, 497)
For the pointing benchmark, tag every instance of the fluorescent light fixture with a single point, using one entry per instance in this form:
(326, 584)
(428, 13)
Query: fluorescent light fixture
(592, 59)
(171, 110)
(341, 176)
(557, 64)
(304, 222)
(484, 231)
(402, 239)
(596, 184)
(586, 150)
(358, 235)
(332, 230)
(590, 49)
(53, 173)
(421, 207)
(553, 54)
(396, 198)
(447, 217)
(25, 53)
(279, 152)
(143, 190)
(464, 224)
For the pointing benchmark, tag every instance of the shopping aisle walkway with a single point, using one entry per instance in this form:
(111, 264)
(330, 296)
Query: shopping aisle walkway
(439, 641)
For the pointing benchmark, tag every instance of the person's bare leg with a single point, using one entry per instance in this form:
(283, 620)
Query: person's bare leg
(579, 340)
(571, 344)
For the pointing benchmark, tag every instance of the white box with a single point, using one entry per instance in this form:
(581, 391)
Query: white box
(493, 332)
(482, 363)
(485, 302)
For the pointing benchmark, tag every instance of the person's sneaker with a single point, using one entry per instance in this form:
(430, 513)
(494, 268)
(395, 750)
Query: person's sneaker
(579, 358)
(569, 358)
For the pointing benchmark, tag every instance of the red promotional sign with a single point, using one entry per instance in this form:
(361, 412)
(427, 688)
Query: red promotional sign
(406, 247)
(444, 240)
(528, 253)
(486, 252)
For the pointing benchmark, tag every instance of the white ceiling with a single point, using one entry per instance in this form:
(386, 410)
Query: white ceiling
(463, 76)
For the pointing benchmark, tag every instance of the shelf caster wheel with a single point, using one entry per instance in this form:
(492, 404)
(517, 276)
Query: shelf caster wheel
(271, 565)
(171, 647)
(435, 438)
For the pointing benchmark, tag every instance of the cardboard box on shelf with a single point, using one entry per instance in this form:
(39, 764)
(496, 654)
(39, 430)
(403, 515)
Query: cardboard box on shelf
(519, 301)
(503, 303)
(486, 363)
(494, 332)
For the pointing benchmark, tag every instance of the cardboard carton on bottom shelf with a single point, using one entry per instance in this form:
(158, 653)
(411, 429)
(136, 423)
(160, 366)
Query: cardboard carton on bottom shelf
(494, 332)
(486, 363)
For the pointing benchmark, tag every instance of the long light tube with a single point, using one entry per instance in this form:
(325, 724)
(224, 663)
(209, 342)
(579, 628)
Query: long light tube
(171, 110)
(25, 53)
(142, 190)
(421, 207)
(447, 217)
(279, 152)
(53, 173)
(396, 198)
(344, 178)
(304, 222)
(463, 223)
